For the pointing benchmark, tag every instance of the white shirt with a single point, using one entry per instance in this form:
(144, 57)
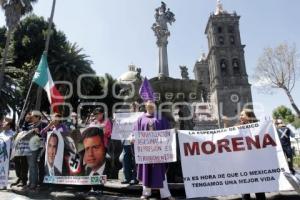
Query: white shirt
(51, 170)
(99, 171)
(9, 133)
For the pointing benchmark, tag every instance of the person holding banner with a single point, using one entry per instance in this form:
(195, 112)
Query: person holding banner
(105, 124)
(55, 125)
(27, 122)
(37, 125)
(247, 116)
(21, 166)
(7, 127)
(6, 135)
(284, 134)
(152, 175)
(129, 165)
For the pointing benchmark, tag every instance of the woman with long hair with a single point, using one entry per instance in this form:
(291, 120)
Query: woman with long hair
(247, 116)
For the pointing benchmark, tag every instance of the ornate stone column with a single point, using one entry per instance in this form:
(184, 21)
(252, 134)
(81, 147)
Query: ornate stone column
(162, 33)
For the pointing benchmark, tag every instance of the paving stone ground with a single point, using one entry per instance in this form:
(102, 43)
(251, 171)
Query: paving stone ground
(114, 190)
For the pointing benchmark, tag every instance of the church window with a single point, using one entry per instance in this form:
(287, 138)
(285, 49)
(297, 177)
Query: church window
(236, 66)
(231, 39)
(220, 30)
(223, 65)
(235, 63)
(221, 40)
(230, 29)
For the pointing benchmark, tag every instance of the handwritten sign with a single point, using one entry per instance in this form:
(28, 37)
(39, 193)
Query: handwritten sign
(155, 146)
(123, 125)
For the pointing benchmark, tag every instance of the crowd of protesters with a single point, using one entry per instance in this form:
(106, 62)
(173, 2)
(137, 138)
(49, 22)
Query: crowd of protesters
(30, 169)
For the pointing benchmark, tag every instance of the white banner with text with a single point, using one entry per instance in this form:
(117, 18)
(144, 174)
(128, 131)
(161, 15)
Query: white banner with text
(123, 125)
(235, 160)
(155, 146)
(5, 143)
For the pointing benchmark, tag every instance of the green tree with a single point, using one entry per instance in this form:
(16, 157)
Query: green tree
(14, 10)
(296, 123)
(2, 37)
(10, 92)
(66, 60)
(284, 113)
(68, 66)
(29, 40)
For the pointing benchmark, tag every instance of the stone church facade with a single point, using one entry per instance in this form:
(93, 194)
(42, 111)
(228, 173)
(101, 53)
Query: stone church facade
(220, 88)
(223, 71)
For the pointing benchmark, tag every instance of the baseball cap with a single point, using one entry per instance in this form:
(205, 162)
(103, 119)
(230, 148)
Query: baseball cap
(36, 113)
(98, 110)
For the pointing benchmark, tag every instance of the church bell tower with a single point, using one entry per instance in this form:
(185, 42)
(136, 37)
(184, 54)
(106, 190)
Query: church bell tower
(229, 86)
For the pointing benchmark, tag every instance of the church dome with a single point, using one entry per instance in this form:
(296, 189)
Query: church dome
(129, 76)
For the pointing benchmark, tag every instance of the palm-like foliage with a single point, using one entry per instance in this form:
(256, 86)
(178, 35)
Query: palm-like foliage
(2, 37)
(10, 92)
(68, 65)
(66, 60)
(14, 10)
(29, 40)
(26, 5)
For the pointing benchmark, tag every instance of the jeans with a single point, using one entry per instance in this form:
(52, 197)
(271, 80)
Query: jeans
(21, 168)
(41, 166)
(129, 163)
(33, 168)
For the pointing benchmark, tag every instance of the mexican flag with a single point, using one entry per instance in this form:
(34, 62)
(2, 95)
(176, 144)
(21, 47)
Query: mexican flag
(43, 78)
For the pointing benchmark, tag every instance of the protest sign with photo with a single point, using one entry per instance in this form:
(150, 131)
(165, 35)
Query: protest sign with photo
(54, 154)
(5, 143)
(155, 146)
(235, 160)
(63, 161)
(71, 159)
(123, 125)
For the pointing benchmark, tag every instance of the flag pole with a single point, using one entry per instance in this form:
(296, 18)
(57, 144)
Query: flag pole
(24, 107)
(39, 91)
(49, 32)
(49, 27)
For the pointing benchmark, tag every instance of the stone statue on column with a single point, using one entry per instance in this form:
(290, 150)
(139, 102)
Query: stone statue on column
(184, 72)
(163, 16)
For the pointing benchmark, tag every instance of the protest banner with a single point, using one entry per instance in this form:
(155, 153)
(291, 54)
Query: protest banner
(54, 154)
(235, 160)
(20, 145)
(5, 143)
(155, 146)
(123, 125)
(76, 180)
(69, 159)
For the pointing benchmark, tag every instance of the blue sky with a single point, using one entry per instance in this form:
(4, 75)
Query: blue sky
(117, 33)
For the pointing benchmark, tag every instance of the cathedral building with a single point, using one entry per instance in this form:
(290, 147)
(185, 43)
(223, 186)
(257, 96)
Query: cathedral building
(223, 71)
(220, 89)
